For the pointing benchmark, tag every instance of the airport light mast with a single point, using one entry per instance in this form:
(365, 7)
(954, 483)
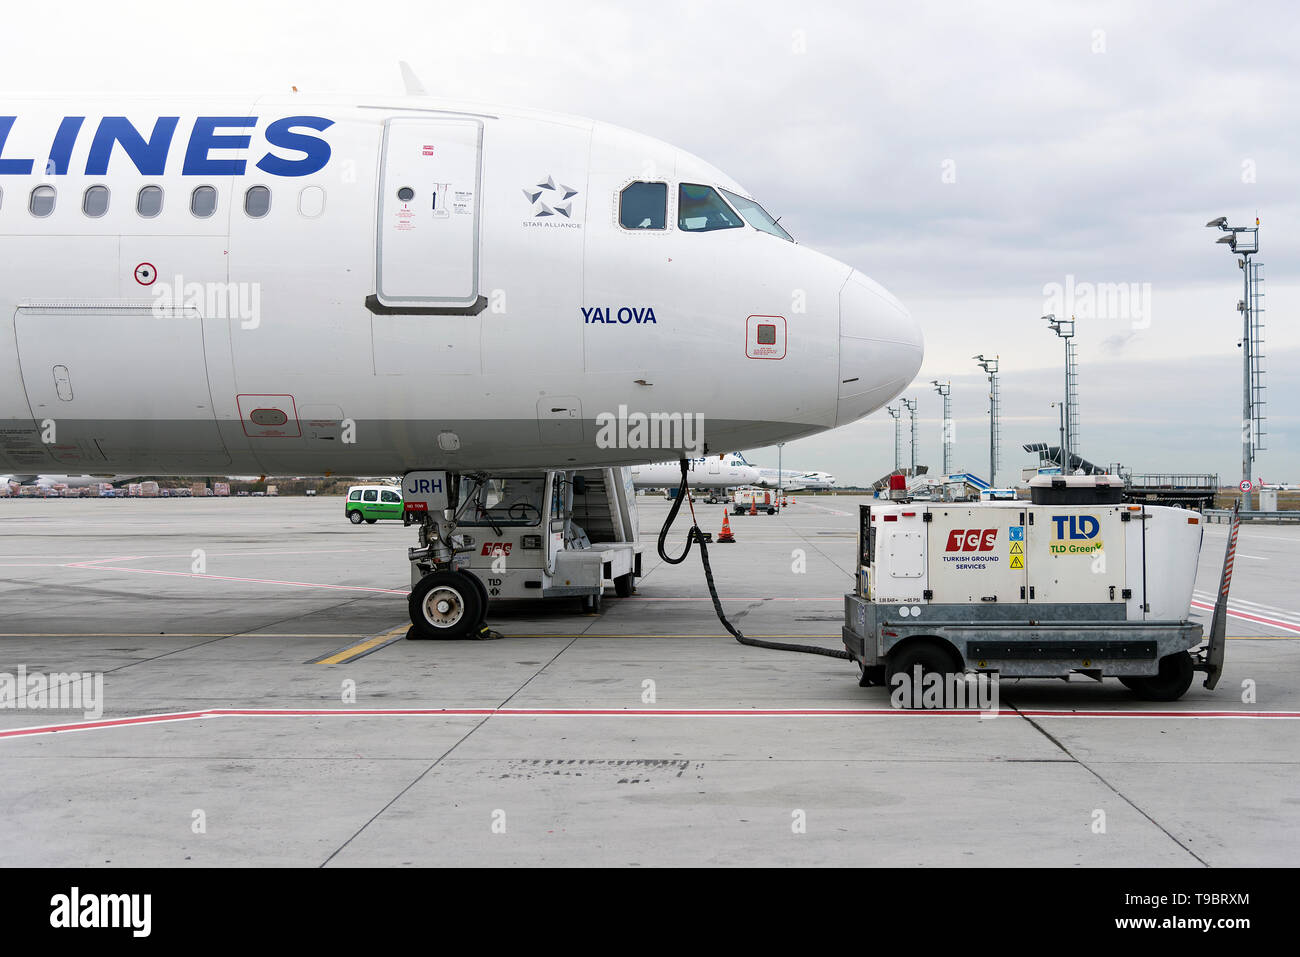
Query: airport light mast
(945, 389)
(991, 367)
(897, 415)
(911, 411)
(780, 475)
(1060, 406)
(1065, 329)
(1244, 242)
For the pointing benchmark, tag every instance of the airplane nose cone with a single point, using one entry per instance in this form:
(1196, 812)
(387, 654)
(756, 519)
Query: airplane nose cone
(880, 348)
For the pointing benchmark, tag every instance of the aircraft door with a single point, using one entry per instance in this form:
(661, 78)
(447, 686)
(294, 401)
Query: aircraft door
(119, 385)
(428, 243)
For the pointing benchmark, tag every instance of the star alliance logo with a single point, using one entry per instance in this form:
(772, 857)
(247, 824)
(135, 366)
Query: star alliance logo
(551, 199)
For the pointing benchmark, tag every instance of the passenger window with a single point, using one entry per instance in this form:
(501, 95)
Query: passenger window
(149, 203)
(354, 495)
(311, 202)
(643, 206)
(203, 201)
(388, 496)
(42, 201)
(95, 202)
(700, 209)
(370, 495)
(257, 203)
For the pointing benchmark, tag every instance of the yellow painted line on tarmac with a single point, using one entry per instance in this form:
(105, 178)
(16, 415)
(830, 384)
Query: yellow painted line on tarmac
(352, 652)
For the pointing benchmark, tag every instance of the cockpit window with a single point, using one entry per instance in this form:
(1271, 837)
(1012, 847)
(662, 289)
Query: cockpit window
(643, 206)
(700, 209)
(756, 215)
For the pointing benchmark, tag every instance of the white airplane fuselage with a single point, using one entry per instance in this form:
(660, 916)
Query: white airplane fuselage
(295, 285)
(793, 479)
(67, 481)
(713, 471)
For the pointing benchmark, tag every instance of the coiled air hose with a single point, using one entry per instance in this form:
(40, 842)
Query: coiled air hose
(696, 537)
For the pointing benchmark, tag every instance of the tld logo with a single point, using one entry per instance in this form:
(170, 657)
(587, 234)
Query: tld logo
(496, 549)
(971, 540)
(1080, 526)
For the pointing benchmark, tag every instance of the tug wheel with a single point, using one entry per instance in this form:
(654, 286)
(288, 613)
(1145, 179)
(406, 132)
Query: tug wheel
(1170, 684)
(932, 658)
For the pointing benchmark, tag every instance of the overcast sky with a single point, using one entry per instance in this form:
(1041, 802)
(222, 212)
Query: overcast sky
(966, 155)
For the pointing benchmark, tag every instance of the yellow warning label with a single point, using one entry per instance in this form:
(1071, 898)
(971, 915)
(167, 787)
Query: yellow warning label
(1016, 549)
(1017, 561)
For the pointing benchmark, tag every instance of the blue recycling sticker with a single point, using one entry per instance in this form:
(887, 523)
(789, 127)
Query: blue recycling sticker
(1017, 533)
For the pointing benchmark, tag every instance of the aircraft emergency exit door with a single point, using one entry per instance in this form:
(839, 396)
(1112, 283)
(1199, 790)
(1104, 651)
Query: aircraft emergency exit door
(428, 243)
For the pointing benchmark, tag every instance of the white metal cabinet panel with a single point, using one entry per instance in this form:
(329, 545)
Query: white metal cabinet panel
(977, 554)
(1076, 553)
(1173, 547)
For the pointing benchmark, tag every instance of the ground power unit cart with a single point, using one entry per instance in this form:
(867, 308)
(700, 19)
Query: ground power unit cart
(1073, 581)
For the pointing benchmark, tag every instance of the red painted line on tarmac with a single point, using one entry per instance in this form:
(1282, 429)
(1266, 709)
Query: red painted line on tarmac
(107, 723)
(627, 713)
(92, 562)
(1246, 616)
(732, 598)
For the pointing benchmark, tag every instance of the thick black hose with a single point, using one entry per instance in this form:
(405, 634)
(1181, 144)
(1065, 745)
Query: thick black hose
(694, 535)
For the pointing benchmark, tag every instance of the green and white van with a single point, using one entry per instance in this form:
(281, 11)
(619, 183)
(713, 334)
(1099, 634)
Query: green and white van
(369, 503)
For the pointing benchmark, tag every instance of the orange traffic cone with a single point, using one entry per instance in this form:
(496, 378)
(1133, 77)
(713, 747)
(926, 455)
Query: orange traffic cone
(753, 507)
(783, 501)
(725, 536)
(792, 501)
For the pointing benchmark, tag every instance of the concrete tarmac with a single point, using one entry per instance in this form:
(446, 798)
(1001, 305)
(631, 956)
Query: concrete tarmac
(640, 736)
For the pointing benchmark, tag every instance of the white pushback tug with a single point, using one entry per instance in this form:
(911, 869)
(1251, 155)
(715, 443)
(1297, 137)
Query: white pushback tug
(533, 535)
(1075, 580)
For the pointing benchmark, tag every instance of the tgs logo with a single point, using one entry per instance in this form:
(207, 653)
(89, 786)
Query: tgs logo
(1077, 527)
(972, 540)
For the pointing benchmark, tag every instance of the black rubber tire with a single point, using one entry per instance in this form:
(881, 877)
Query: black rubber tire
(371, 521)
(1175, 677)
(624, 585)
(482, 593)
(872, 676)
(771, 511)
(931, 656)
(355, 517)
(444, 605)
(591, 603)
